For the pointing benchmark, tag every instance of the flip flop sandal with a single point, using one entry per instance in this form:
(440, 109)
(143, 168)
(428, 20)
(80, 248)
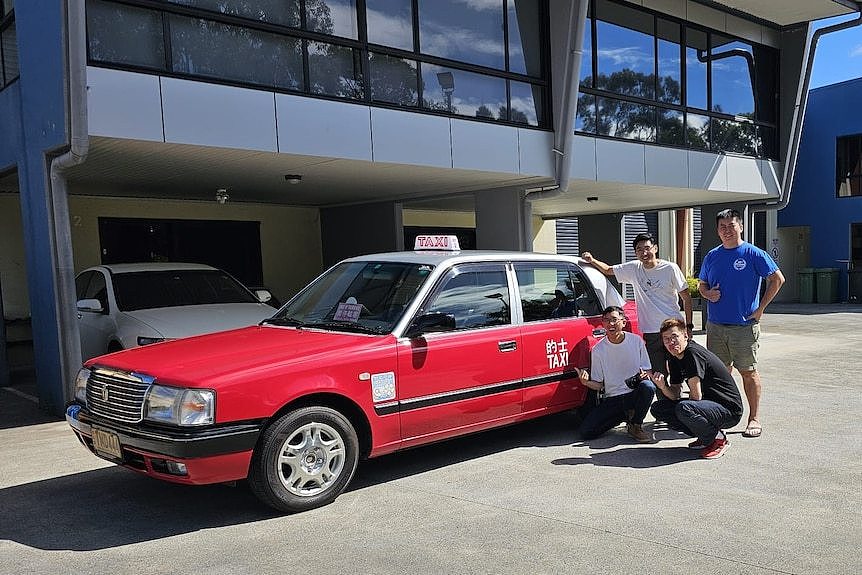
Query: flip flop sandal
(753, 430)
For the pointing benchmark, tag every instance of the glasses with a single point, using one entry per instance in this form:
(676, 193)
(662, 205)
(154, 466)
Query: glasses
(613, 319)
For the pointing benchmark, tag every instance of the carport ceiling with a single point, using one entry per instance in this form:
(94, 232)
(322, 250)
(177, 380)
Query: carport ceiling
(126, 168)
(787, 12)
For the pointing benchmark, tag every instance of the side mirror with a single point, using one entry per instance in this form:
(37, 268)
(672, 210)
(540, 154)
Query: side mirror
(91, 305)
(263, 295)
(431, 323)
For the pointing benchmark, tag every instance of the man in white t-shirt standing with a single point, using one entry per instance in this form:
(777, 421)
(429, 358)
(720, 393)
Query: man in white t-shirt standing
(658, 286)
(621, 374)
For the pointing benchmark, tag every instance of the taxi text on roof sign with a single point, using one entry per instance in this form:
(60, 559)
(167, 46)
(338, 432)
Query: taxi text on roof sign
(441, 243)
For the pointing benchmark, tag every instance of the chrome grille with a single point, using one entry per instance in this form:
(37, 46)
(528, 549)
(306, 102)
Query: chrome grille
(117, 395)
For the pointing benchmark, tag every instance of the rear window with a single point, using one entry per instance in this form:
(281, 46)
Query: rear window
(157, 289)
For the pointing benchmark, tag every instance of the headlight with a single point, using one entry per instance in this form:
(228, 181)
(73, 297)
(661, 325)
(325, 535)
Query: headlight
(180, 406)
(81, 385)
(148, 340)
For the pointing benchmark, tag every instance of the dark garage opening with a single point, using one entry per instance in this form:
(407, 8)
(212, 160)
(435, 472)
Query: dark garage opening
(233, 246)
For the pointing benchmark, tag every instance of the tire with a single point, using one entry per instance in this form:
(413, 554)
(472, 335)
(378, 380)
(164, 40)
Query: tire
(304, 459)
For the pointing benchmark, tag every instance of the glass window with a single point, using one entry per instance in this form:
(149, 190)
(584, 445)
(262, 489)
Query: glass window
(393, 80)
(669, 62)
(8, 5)
(525, 37)
(551, 291)
(81, 283)
(587, 58)
(334, 71)
(463, 93)
(125, 35)
(336, 17)
(732, 65)
(626, 50)
(730, 136)
(97, 289)
(10, 53)
(697, 131)
(147, 290)
(670, 127)
(848, 181)
(206, 48)
(464, 31)
(768, 140)
(526, 103)
(475, 297)
(695, 68)
(284, 12)
(585, 121)
(766, 84)
(626, 120)
(390, 23)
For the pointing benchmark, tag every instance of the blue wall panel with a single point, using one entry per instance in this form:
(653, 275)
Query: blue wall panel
(833, 111)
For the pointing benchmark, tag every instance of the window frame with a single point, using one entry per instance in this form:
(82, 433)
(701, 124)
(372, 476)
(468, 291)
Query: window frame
(853, 179)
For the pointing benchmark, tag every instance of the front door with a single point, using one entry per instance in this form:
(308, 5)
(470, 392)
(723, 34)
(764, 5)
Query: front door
(468, 378)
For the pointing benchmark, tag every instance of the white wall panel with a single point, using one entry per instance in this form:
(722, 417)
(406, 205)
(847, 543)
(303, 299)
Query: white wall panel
(705, 16)
(223, 116)
(771, 174)
(744, 28)
(124, 105)
(671, 7)
(534, 147)
(666, 166)
(706, 171)
(743, 174)
(584, 158)
(620, 161)
(408, 138)
(313, 127)
(487, 147)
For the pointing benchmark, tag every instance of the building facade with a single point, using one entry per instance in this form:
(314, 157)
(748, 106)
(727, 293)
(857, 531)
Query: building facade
(821, 227)
(139, 129)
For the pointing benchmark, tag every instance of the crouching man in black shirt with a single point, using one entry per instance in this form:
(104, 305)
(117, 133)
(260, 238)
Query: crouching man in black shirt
(714, 402)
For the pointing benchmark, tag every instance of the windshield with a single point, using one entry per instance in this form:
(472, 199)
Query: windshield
(363, 297)
(155, 289)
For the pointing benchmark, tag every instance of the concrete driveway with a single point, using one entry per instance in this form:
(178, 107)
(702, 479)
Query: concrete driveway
(527, 499)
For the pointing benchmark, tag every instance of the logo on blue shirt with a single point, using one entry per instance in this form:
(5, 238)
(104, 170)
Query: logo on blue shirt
(739, 264)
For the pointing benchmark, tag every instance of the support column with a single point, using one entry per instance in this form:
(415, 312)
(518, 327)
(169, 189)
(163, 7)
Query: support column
(501, 220)
(362, 229)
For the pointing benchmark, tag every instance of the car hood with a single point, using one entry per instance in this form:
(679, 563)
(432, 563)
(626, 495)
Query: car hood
(229, 356)
(184, 321)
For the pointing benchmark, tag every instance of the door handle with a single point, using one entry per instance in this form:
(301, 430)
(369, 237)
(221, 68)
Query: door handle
(507, 345)
(599, 332)
(80, 315)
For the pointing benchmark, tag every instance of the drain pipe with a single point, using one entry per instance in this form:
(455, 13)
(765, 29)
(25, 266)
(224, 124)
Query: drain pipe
(58, 193)
(798, 118)
(564, 135)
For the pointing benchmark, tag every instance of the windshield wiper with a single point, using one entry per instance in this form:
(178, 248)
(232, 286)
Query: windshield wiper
(347, 326)
(284, 320)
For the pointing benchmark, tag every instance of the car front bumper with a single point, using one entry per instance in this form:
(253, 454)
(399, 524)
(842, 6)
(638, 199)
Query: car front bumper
(192, 456)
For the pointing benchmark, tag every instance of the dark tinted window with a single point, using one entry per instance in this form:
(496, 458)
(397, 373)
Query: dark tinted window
(393, 80)
(81, 283)
(284, 12)
(848, 181)
(464, 31)
(626, 54)
(334, 70)
(156, 289)
(475, 296)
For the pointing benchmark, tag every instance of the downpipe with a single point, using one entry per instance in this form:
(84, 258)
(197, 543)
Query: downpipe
(58, 193)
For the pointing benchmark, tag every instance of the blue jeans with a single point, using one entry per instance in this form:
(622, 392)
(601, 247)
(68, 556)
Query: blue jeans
(612, 410)
(702, 419)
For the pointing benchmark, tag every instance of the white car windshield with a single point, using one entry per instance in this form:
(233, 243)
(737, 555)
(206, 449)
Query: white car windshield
(365, 297)
(156, 289)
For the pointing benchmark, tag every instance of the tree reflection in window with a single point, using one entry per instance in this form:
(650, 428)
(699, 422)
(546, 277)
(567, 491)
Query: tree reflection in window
(283, 12)
(334, 70)
(393, 80)
(476, 298)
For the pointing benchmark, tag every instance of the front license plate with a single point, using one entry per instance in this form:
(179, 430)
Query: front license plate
(107, 443)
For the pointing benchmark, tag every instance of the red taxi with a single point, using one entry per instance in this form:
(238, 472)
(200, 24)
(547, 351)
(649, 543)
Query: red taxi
(380, 353)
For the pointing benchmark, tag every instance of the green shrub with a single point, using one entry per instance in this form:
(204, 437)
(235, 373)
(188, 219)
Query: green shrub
(692, 286)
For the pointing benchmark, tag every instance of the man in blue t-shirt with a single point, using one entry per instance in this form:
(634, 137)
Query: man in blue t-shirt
(730, 282)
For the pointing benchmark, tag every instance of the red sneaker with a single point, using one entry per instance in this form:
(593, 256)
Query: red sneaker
(716, 449)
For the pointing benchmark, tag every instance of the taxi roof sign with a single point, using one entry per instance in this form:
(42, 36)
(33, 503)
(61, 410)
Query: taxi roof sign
(437, 243)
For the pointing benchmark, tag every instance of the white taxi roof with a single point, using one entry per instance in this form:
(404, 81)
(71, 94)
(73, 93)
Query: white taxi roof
(437, 258)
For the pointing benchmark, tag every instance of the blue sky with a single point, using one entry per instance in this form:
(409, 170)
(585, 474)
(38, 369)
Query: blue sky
(839, 54)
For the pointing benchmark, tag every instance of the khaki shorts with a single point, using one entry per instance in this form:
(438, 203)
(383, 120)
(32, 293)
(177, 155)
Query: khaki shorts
(735, 345)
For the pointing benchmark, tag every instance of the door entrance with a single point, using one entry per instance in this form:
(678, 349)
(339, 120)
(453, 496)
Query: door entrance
(230, 245)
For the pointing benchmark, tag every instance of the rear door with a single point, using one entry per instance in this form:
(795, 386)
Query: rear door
(468, 378)
(560, 314)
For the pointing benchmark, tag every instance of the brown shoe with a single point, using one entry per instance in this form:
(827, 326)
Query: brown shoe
(637, 432)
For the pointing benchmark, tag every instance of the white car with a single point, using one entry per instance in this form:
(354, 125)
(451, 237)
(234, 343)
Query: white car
(121, 306)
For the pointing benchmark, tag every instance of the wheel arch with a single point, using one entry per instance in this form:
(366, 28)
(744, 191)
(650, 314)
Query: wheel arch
(341, 404)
